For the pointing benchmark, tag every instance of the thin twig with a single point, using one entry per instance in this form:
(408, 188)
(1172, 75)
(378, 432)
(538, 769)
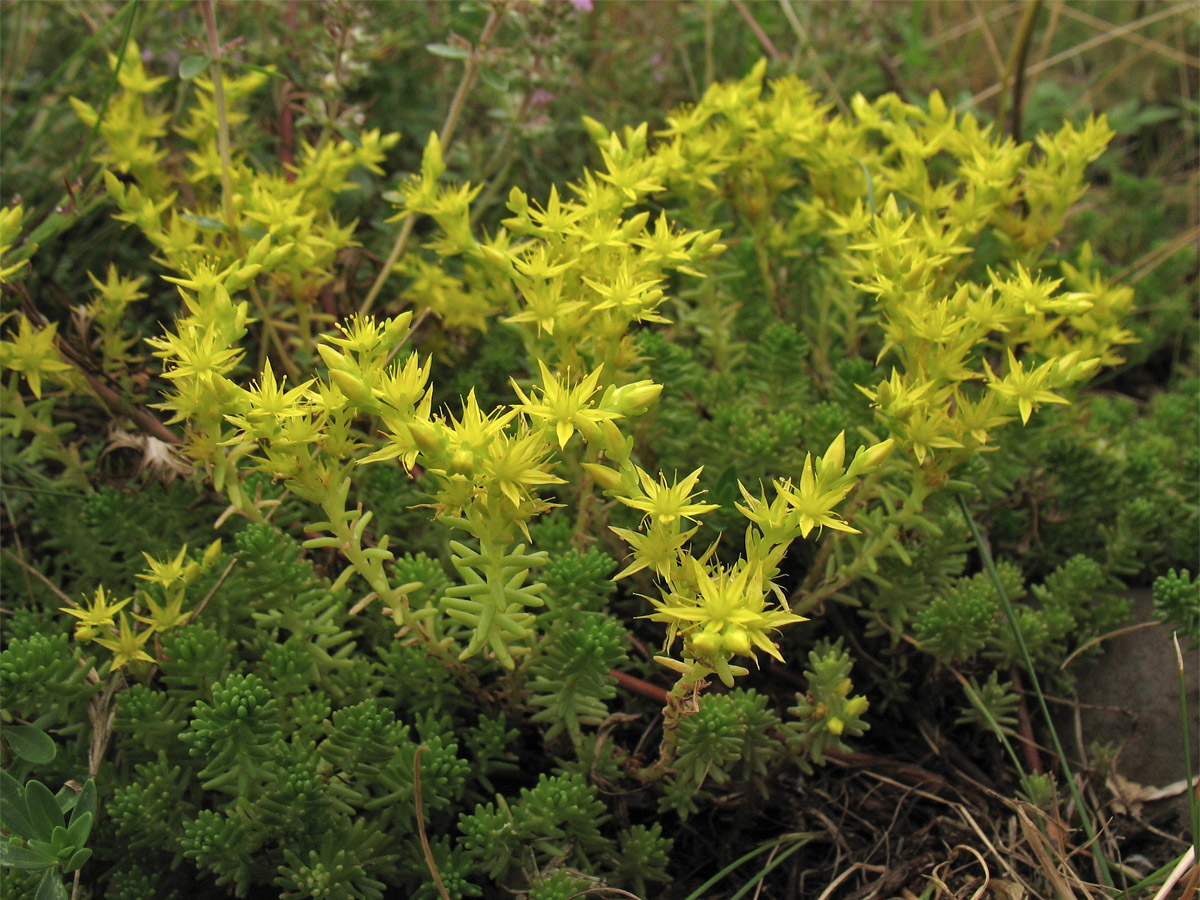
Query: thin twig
(1118, 32)
(638, 686)
(767, 44)
(425, 848)
(1145, 43)
(1014, 69)
(50, 584)
(806, 45)
(212, 592)
(214, 50)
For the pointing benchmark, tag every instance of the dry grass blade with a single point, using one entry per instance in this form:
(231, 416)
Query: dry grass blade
(806, 46)
(1101, 639)
(833, 885)
(1100, 39)
(1177, 874)
(989, 39)
(1142, 267)
(759, 35)
(1037, 843)
(1145, 43)
(992, 13)
(1052, 865)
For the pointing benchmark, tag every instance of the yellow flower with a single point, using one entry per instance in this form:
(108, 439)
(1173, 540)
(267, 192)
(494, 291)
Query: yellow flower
(1027, 388)
(814, 503)
(33, 354)
(10, 227)
(99, 614)
(169, 572)
(126, 645)
(164, 618)
(665, 504)
(727, 616)
(517, 464)
(566, 409)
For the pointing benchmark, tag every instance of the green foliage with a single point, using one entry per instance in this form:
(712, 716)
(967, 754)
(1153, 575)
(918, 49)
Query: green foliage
(729, 738)
(557, 820)
(750, 358)
(333, 870)
(1177, 603)
(826, 712)
(42, 838)
(570, 679)
(992, 705)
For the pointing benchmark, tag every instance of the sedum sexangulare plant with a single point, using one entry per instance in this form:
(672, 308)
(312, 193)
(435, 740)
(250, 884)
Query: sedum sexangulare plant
(314, 700)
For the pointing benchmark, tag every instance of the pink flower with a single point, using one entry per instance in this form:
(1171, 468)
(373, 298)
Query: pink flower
(582, 5)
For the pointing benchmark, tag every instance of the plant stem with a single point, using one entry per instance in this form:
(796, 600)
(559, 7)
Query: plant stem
(1014, 70)
(214, 49)
(690, 682)
(112, 86)
(444, 136)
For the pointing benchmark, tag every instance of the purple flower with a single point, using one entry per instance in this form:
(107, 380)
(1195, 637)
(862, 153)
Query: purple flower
(540, 97)
(656, 63)
(582, 5)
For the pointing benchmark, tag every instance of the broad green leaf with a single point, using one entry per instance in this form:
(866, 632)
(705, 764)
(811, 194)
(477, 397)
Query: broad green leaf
(43, 809)
(29, 743)
(80, 827)
(13, 814)
(80, 856)
(86, 804)
(191, 66)
(448, 51)
(17, 857)
(52, 887)
(494, 79)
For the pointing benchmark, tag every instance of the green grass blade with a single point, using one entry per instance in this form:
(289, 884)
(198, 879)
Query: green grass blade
(1084, 813)
(801, 838)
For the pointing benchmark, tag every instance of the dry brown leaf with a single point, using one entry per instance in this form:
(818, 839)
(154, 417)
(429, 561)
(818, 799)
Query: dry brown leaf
(1128, 796)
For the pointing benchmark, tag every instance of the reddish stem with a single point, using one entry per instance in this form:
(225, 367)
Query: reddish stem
(1025, 726)
(637, 686)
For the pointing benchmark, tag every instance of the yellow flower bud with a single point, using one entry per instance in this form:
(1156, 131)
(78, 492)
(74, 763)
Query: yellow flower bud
(462, 462)
(617, 447)
(871, 458)
(211, 553)
(706, 644)
(738, 641)
(632, 399)
(855, 707)
(607, 478)
(425, 435)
